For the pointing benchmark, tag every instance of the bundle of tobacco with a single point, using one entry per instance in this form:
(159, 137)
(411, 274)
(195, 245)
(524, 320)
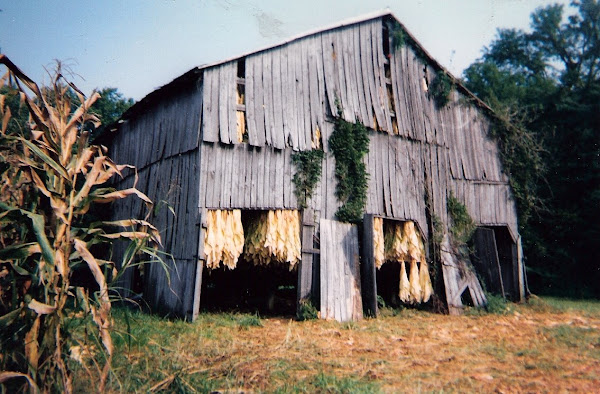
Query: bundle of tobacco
(224, 238)
(274, 236)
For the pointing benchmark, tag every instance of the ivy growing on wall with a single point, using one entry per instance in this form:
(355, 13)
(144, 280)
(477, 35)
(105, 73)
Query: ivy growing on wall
(349, 143)
(308, 172)
(397, 35)
(463, 226)
(440, 89)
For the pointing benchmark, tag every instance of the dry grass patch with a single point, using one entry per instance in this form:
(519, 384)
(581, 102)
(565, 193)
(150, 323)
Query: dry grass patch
(527, 349)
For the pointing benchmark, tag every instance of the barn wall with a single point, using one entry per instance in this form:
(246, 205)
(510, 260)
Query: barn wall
(291, 92)
(162, 143)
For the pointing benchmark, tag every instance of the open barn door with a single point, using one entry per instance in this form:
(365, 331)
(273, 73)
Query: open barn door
(340, 276)
(486, 260)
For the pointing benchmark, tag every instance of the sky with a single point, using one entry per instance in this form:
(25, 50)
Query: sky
(140, 45)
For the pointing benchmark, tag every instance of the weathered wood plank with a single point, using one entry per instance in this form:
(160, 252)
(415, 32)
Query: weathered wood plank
(304, 66)
(278, 190)
(278, 137)
(379, 68)
(305, 270)
(223, 89)
(299, 90)
(363, 112)
(294, 133)
(250, 194)
(328, 71)
(391, 174)
(268, 104)
(384, 173)
(260, 180)
(313, 87)
(346, 50)
(366, 35)
(365, 45)
(250, 102)
(259, 112)
(322, 108)
(341, 298)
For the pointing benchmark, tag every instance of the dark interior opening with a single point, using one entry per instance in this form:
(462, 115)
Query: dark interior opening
(241, 68)
(507, 256)
(388, 283)
(269, 290)
(495, 260)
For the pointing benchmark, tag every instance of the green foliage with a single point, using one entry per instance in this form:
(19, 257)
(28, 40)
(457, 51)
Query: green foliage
(545, 87)
(496, 304)
(349, 143)
(247, 321)
(463, 226)
(308, 172)
(307, 311)
(440, 89)
(397, 35)
(109, 108)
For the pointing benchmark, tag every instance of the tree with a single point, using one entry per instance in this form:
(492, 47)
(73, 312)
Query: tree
(109, 108)
(546, 82)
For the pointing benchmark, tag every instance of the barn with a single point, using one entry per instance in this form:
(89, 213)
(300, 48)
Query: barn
(220, 151)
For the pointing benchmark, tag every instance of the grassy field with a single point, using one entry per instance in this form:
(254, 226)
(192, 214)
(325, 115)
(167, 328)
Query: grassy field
(548, 345)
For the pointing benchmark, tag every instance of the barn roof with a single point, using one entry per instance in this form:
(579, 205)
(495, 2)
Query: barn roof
(192, 75)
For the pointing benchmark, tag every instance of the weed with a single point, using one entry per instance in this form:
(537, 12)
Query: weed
(496, 304)
(307, 310)
(246, 321)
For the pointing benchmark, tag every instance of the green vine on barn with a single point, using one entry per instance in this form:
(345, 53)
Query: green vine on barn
(349, 143)
(308, 164)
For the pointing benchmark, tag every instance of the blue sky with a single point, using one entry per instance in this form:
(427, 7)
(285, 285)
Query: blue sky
(139, 45)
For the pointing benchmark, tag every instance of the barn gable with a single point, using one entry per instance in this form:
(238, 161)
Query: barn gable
(222, 137)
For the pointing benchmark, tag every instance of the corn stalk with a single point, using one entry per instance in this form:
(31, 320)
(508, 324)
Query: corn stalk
(52, 180)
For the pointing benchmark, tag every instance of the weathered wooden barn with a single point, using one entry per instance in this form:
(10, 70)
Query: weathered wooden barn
(222, 137)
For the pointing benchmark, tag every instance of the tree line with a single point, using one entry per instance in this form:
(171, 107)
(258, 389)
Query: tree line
(546, 83)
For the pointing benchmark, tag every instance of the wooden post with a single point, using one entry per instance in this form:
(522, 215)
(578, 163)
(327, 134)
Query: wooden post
(305, 270)
(521, 269)
(367, 269)
(201, 222)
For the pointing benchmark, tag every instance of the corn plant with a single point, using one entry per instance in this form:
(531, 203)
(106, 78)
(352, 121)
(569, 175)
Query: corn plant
(52, 179)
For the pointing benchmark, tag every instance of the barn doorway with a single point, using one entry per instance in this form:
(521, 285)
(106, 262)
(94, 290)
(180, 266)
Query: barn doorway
(495, 260)
(394, 269)
(268, 287)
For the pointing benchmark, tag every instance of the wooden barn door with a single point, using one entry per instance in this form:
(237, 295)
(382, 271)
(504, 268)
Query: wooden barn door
(486, 261)
(340, 272)
(368, 274)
